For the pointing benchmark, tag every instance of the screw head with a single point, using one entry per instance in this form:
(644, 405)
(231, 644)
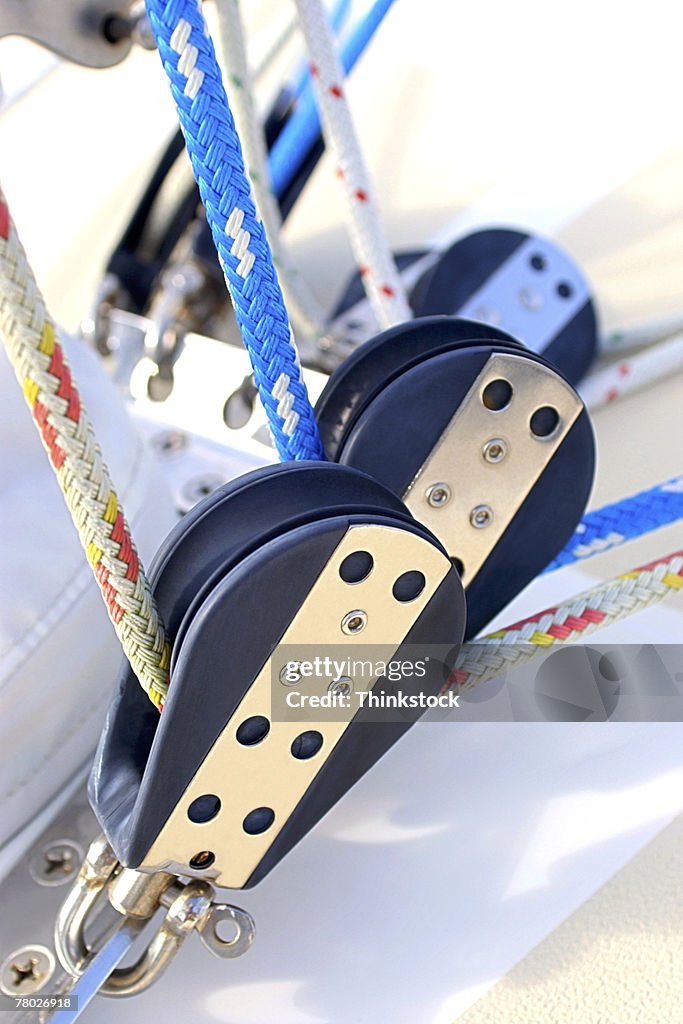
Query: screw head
(26, 970)
(495, 450)
(342, 686)
(481, 516)
(488, 315)
(531, 299)
(354, 622)
(438, 495)
(57, 863)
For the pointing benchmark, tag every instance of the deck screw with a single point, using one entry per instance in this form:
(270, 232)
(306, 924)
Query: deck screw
(481, 516)
(26, 970)
(438, 495)
(170, 441)
(201, 486)
(57, 863)
(495, 450)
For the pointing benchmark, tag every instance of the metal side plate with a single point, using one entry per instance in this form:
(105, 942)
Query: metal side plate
(488, 460)
(266, 774)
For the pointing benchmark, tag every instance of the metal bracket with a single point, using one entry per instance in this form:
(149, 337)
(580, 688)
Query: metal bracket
(77, 31)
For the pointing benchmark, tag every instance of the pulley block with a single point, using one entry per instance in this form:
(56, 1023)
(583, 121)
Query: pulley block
(306, 555)
(522, 283)
(485, 442)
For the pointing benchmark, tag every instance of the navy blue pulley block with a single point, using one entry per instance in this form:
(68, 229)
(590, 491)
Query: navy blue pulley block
(485, 442)
(215, 786)
(523, 283)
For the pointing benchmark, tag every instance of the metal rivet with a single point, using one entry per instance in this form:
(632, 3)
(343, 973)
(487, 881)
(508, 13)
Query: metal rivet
(481, 516)
(438, 495)
(488, 315)
(57, 863)
(26, 970)
(354, 622)
(495, 450)
(290, 674)
(531, 298)
(342, 686)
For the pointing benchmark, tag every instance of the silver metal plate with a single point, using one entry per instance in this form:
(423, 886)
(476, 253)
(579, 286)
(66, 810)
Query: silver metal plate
(269, 776)
(531, 305)
(464, 495)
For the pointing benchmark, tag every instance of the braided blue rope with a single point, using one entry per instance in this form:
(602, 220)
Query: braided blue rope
(303, 127)
(213, 145)
(622, 521)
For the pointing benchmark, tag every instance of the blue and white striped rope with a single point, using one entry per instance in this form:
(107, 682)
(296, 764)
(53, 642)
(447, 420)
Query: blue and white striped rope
(188, 57)
(622, 521)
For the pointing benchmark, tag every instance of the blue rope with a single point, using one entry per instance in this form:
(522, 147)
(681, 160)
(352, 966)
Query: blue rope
(622, 521)
(303, 127)
(213, 145)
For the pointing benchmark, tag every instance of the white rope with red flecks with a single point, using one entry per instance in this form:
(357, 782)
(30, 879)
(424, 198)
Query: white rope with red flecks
(376, 263)
(626, 376)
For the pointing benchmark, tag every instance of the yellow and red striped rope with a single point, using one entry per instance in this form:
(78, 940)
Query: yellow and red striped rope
(67, 434)
(488, 656)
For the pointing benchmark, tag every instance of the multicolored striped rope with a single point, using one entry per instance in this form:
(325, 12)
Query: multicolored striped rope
(213, 145)
(488, 656)
(43, 373)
